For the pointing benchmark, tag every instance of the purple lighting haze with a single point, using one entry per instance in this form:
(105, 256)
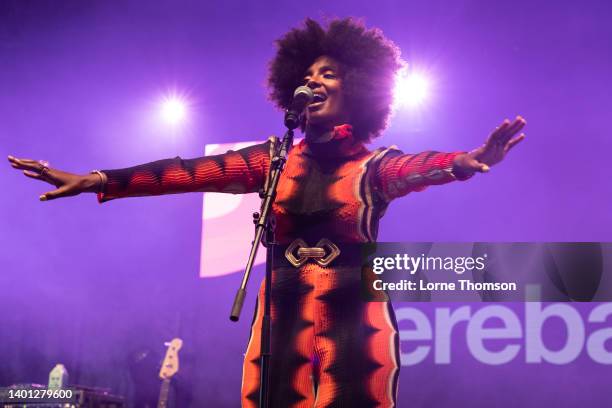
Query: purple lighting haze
(92, 286)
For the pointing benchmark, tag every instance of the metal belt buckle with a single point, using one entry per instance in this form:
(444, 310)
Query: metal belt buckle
(323, 253)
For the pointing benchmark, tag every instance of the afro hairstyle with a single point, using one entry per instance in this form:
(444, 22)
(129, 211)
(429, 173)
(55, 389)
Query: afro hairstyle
(368, 65)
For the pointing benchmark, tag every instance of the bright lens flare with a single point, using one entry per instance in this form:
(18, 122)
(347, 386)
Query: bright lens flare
(411, 89)
(173, 110)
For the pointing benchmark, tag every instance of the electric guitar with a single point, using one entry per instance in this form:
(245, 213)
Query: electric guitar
(169, 367)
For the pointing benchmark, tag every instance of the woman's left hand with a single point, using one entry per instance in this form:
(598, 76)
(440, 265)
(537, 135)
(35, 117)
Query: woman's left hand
(493, 151)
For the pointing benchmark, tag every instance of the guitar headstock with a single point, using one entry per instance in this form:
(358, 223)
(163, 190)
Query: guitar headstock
(170, 365)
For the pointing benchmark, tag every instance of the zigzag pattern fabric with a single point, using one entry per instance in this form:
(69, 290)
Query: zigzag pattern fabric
(329, 347)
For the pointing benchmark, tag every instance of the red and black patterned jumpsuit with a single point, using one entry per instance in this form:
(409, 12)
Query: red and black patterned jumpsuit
(330, 348)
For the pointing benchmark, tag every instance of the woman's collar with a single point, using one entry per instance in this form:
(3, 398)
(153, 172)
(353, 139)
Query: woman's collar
(342, 132)
(341, 144)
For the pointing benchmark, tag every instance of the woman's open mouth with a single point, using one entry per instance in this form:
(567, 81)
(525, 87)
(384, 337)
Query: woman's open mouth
(318, 101)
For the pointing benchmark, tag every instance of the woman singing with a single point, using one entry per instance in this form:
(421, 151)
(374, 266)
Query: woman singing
(330, 348)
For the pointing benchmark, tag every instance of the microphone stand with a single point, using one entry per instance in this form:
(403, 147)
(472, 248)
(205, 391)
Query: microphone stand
(264, 226)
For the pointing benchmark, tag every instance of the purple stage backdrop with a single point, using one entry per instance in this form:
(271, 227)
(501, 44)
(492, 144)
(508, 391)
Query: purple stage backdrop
(99, 288)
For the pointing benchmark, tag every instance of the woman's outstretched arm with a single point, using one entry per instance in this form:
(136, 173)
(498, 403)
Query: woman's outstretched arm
(240, 171)
(399, 174)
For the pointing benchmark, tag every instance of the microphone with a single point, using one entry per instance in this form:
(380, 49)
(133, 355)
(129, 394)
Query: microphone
(302, 97)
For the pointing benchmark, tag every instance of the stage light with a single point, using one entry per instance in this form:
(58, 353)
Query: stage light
(173, 110)
(411, 89)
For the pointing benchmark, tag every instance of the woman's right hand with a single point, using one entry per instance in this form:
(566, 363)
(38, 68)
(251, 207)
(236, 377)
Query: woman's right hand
(67, 184)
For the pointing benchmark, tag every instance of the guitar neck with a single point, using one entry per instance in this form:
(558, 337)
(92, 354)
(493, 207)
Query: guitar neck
(163, 393)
